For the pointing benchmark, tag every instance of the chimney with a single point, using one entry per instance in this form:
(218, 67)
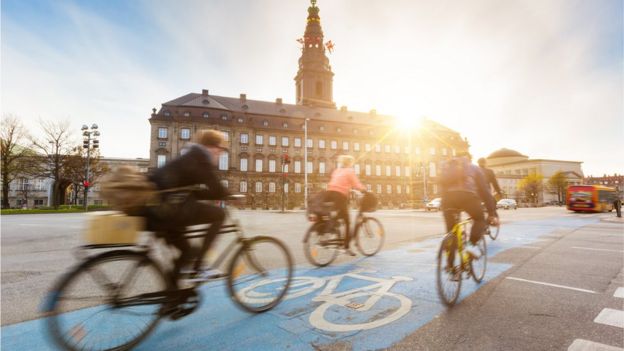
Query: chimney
(343, 108)
(205, 92)
(278, 101)
(243, 98)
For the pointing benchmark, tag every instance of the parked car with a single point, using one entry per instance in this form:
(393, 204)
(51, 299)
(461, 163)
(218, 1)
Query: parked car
(434, 205)
(507, 204)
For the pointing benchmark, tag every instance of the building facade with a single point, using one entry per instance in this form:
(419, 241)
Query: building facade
(396, 163)
(616, 181)
(511, 167)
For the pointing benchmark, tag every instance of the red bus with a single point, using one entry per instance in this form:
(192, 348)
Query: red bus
(590, 198)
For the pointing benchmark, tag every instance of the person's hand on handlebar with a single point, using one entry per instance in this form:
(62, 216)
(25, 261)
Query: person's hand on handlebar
(493, 221)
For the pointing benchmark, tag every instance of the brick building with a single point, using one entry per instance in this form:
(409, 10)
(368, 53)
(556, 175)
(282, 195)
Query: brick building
(398, 164)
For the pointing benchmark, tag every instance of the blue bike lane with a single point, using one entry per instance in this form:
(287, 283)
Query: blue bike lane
(369, 303)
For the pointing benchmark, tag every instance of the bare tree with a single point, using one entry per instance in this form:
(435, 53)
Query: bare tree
(75, 166)
(13, 153)
(55, 147)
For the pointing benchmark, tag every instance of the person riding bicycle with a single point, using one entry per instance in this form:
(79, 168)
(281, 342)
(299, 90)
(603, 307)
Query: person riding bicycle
(463, 187)
(490, 178)
(342, 180)
(195, 167)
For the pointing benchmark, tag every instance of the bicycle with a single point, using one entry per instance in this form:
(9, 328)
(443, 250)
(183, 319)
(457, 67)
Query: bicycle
(324, 239)
(118, 297)
(453, 263)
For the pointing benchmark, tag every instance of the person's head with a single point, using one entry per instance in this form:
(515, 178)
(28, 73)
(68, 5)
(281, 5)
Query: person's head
(482, 162)
(213, 140)
(345, 161)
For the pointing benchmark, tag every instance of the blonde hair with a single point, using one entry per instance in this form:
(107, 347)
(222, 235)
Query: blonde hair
(345, 161)
(209, 137)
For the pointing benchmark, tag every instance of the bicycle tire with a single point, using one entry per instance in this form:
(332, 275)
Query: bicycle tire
(54, 306)
(245, 254)
(478, 276)
(363, 229)
(312, 245)
(493, 231)
(455, 272)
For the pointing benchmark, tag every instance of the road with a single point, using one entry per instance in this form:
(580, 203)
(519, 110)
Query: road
(552, 284)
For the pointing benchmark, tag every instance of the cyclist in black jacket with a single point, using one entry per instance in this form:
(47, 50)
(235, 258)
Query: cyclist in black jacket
(196, 166)
(490, 178)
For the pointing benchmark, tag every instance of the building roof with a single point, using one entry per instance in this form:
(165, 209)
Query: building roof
(273, 108)
(505, 153)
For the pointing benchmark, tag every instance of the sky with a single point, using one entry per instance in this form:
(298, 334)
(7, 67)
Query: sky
(543, 77)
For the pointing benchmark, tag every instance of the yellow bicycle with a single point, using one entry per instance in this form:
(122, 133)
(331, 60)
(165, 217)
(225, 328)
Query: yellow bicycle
(455, 265)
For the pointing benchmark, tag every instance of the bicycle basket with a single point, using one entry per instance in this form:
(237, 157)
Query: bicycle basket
(113, 227)
(368, 203)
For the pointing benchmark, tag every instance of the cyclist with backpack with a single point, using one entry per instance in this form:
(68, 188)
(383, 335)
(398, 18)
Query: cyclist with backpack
(342, 180)
(178, 210)
(463, 188)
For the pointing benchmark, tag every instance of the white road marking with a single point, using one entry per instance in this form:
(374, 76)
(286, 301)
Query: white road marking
(553, 285)
(528, 247)
(619, 292)
(586, 345)
(592, 249)
(611, 317)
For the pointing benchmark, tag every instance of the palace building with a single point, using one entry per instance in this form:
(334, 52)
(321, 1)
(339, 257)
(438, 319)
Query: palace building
(268, 145)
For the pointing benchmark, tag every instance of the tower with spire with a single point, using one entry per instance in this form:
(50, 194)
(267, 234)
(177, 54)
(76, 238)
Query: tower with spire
(314, 80)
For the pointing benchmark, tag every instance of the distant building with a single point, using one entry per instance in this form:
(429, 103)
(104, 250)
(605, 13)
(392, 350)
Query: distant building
(32, 192)
(399, 165)
(511, 166)
(616, 181)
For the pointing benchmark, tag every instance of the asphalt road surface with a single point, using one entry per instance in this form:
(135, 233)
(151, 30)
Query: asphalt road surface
(554, 282)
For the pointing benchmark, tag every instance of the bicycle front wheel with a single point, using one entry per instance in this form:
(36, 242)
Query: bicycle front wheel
(85, 309)
(478, 265)
(259, 274)
(449, 272)
(320, 245)
(369, 236)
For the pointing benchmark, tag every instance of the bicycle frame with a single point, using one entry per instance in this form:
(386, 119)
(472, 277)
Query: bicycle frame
(458, 232)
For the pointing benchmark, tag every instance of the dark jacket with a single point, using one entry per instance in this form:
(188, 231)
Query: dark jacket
(466, 178)
(490, 179)
(194, 167)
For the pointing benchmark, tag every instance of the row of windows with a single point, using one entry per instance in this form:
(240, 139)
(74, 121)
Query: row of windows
(272, 187)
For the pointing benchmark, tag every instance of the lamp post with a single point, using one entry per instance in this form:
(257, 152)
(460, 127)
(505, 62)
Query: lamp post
(305, 163)
(89, 139)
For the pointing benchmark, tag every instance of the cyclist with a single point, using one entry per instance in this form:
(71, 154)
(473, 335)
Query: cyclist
(463, 187)
(342, 180)
(490, 178)
(196, 166)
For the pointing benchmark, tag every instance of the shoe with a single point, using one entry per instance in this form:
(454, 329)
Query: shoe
(347, 251)
(206, 274)
(473, 252)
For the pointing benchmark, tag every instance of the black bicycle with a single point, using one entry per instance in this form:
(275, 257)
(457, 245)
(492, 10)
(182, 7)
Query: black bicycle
(116, 298)
(325, 237)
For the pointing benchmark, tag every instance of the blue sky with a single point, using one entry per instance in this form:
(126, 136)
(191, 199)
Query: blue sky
(541, 77)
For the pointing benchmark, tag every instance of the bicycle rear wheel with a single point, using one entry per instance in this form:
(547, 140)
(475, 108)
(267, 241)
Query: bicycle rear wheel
(449, 272)
(369, 236)
(320, 245)
(492, 231)
(259, 274)
(478, 265)
(84, 308)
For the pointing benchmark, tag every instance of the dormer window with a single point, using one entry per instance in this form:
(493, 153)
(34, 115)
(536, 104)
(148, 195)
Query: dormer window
(206, 115)
(224, 117)
(284, 125)
(205, 101)
(265, 123)
(245, 107)
(167, 113)
(240, 119)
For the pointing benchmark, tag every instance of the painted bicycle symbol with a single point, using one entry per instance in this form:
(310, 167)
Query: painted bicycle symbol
(358, 300)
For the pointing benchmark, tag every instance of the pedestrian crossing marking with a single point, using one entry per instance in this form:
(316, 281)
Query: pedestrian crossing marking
(619, 292)
(611, 317)
(586, 345)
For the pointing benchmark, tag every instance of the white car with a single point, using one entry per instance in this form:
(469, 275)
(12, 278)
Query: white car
(434, 205)
(507, 204)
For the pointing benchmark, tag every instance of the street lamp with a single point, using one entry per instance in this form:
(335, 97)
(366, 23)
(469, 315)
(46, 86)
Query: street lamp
(305, 163)
(89, 139)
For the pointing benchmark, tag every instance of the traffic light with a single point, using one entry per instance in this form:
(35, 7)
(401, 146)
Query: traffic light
(85, 144)
(86, 183)
(286, 159)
